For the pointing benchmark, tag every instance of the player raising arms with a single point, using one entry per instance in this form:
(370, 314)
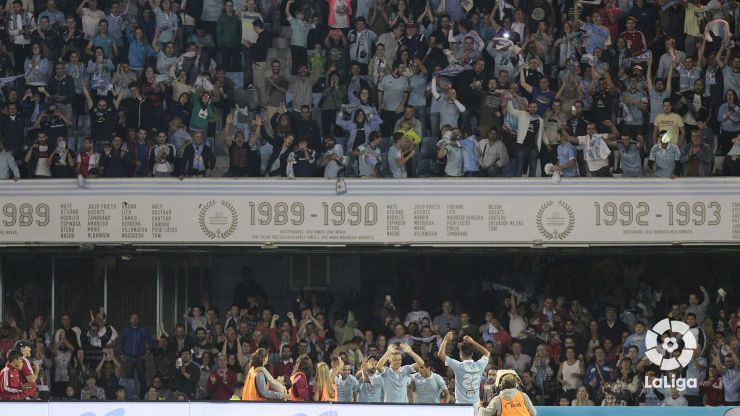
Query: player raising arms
(468, 373)
(395, 377)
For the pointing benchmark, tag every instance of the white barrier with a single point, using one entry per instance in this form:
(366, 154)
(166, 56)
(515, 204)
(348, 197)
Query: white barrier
(462, 212)
(323, 409)
(233, 408)
(117, 409)
(239, 408)
(24, 409)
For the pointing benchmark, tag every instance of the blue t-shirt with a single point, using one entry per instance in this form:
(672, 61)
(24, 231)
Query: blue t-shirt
(543, 99)
(372, 391)
(394, 384)
(468, 375)
(345, 388)
(106, 42)
(429, 389)
(630, 161)
(566, 153)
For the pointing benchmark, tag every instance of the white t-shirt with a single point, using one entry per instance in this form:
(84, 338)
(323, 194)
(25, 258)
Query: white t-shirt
(332, 168)
(595, 151)
(679, 401)
(341, 18)
(42, 169)
(90, 20)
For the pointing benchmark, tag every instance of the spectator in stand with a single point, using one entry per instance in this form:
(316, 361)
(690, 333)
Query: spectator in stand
(8, 166)
(228, 29)
(88, 161)
(696, 157)
(303, 370)
(665, 158)
(13, 387)
(187, 375)
(91, 391)
(198, 158)
(134, 343)
(115, 159)
(221, 382)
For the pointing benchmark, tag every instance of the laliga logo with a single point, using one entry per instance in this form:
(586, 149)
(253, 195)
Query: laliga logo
(670, 344)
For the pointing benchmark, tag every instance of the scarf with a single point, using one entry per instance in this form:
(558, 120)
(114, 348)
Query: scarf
(198, 164)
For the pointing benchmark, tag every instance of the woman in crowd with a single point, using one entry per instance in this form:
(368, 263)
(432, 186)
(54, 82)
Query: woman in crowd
(100, 70)
(301, 390)
(332, 99)
(324, 388)
(570, 373)
(256, 385)
(359, 128)
(729, 118)
(543, 371)
(37, 68)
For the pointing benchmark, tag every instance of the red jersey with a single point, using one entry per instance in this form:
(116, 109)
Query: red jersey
(635, 40)
(11, 386)
(223, 388)
(26, 371)
(715, 393)
(88, 161)
(613, 27)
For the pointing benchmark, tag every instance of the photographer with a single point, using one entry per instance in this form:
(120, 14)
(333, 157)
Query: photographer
(53, 122)
(453, 151)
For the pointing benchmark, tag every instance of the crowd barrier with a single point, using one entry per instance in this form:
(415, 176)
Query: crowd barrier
(237, 408)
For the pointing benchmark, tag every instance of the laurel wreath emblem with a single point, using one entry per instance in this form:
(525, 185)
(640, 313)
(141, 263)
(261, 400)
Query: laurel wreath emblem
(556, 235)
(218, 234)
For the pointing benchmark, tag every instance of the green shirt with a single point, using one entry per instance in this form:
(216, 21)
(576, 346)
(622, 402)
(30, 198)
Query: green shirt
(200, 116)
(228, 30)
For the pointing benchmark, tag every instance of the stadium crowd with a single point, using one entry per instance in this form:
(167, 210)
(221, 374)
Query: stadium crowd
(574, 344)
(371, 88)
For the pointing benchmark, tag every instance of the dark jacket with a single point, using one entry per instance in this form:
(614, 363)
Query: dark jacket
(194, 8)
(64, 87)
(277, 145)
(12, 133)
(259, 49)
(310, 130)
(139, 113)
(229, 30)
(209, 160)
(117, 164)
(184, 384)
(170, 157)
(699, 113)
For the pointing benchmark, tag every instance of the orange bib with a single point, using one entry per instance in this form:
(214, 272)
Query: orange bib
(514, 407)
(325, 395)
(250, 387)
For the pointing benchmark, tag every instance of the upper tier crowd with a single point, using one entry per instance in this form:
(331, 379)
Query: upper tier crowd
(370, 88)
